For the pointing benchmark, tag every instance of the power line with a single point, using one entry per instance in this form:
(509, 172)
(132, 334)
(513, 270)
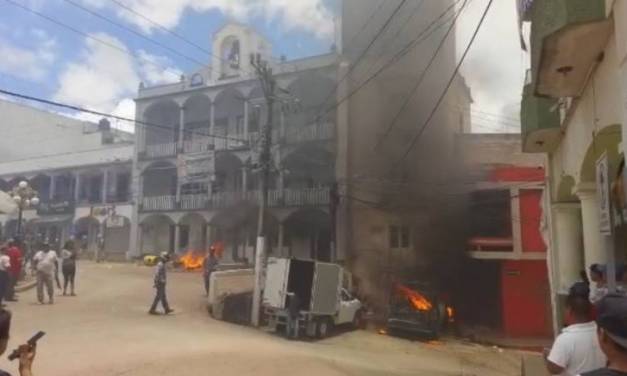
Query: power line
(365, 51)
(103, 114)
(89, 36)
(450, 82)
(136, 33)
(421, 78)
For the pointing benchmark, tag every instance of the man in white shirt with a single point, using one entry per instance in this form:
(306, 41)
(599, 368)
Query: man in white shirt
(46, 265)
(576, 350)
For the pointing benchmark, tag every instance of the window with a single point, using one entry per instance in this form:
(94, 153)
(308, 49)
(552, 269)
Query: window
(399, 237)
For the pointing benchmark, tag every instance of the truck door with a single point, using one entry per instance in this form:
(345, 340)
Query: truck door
(276, 282)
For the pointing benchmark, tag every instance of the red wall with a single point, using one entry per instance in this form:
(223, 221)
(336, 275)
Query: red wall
(530, 220)
(525, 299)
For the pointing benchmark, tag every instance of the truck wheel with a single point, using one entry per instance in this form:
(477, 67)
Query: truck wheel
(324, 327)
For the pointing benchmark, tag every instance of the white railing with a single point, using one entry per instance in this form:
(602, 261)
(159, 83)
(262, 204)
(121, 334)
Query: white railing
(192, 202)
(306, 197)
(159, 203)
(314, 132)
(200, 145)
(161, 150)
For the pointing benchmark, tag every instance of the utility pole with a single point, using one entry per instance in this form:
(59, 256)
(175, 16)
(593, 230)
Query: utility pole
(268, 86)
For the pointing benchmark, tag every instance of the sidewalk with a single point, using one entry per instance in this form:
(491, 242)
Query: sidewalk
(25, 284)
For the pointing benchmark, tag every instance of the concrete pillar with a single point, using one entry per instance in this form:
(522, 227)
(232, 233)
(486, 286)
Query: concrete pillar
(177, 237)
(140, 240)
(212, 123)
(52, 187)
(592, 240)
(77, 187)
(208, 236)
(281, 240)
(105, 185)
(246, 125)
(282, 124)
(244, 180)
(569, 259)
(181, 127)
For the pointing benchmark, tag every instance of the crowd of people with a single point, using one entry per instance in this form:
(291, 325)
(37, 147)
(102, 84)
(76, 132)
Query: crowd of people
(594, 340)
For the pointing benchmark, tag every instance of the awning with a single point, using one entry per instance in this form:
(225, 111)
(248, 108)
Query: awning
(51, 219)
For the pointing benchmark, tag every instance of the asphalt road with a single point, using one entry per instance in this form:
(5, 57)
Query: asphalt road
(106, 330)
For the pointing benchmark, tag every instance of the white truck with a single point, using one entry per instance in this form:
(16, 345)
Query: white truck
(323, 296)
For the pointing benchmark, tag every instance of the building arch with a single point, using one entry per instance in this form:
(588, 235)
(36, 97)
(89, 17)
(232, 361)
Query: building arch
(197, 117)
(156, 234)
(193, 228)
(308, 166)
(607, 140)
(159, 179)
(162, 120)
(308, 234)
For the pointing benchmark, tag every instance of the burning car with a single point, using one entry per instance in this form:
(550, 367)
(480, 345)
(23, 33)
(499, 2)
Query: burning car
(416, 308)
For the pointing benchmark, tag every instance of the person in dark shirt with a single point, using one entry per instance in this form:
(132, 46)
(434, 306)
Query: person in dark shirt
(293, 311)
(209, 265)
(612, 333)
(160, 281)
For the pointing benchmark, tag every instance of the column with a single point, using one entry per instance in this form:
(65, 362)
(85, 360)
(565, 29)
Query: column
(177, 237)
(52, 187)
(212, 123)
(281, 236)
(105, 185)
(140, 240)
(77, 187)
(593, 243)
(282, 124)
(246, 120)
(244, 179)
(181, 127)
(208, 237)
(569, 255)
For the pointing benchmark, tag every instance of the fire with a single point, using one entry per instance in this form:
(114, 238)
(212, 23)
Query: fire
(450, 313)
(383, 331)
(415, 298)
(192, 260)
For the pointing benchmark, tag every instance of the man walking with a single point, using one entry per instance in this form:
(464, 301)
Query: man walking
(5, 265)
(15, 257)
(45, 262)
(208, 267)
(612, 334)
(160, 281)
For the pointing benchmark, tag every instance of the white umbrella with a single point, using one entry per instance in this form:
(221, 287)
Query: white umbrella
(7, 205)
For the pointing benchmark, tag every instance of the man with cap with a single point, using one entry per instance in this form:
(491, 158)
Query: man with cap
(576, 349)
(160, 281)
(612, 334)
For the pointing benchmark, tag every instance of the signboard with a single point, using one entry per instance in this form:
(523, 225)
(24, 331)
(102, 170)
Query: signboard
(54, 208)
(197, 167)
(603, 189)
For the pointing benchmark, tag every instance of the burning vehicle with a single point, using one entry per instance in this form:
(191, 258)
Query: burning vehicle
(417, 308)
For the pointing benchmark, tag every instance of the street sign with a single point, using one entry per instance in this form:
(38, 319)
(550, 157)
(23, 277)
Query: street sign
(54, 208)
(603, 188)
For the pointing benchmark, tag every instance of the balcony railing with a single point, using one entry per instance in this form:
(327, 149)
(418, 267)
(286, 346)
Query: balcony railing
(160, 150)
(157, 203)
(220, 200)
(200, 145)
(315, 132)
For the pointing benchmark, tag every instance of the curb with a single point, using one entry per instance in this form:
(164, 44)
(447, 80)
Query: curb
(25, 287)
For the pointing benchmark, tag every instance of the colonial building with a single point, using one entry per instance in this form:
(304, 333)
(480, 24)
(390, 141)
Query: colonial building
(81, 172)
(573, 110)
(196, 172)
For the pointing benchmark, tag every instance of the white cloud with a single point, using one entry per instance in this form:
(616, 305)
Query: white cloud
(105, 79)
(150, 67)
(307, 15)
(494, 68)
(27, 63)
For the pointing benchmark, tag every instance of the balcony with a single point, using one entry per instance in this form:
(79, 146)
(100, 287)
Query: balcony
(540, 122)
(314, 132)
(306, 197)
(160, 150)
(201, 145)
(567, 38)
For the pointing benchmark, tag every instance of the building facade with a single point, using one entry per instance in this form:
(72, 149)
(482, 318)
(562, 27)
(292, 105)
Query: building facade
(507, 239)
(196, 173)
(81, 172)
(574, 110)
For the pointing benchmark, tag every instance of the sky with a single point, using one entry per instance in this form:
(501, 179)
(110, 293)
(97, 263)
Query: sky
(57, 50)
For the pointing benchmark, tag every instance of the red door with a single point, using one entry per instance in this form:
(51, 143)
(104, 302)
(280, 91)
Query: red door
(526, 299)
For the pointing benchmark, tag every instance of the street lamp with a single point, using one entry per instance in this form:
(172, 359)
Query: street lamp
(24, 196)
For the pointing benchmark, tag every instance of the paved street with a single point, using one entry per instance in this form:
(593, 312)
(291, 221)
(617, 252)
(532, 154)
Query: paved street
(106, 331)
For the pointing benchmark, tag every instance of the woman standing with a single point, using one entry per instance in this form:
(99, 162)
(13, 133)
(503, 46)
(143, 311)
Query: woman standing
(68, 267)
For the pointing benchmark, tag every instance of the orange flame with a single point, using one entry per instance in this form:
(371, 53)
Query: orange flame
(450, 313)
(415, 298)
(192, 260)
